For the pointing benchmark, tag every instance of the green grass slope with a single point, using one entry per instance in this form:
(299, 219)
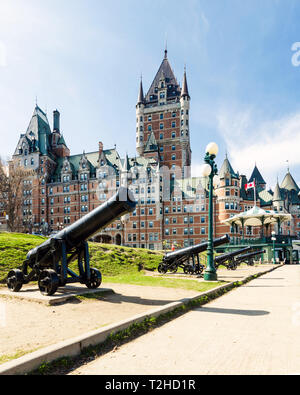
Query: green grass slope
(111, 260)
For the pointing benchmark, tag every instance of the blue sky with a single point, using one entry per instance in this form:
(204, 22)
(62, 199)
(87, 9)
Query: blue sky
(85, 58)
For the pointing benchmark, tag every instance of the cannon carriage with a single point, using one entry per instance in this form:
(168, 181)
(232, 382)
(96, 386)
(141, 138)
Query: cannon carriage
(49, 263)
(229, 259)
(188, 258)
(249, 258)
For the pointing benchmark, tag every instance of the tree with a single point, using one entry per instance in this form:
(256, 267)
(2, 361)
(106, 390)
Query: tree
(11, 193)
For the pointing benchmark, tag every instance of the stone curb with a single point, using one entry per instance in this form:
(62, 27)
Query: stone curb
(74, 346)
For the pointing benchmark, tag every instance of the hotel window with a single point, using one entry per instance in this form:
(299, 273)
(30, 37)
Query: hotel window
(149, 118)
(161, 126)
(142, 224)
(161, 116)
(173, 147)
(174, 232)
(186, 231)
(150, 211)
(203, 231)
(174, 114)
(134, 225)
(149, 128)
(161, 136)
(150, 224)
(167, 221)
(129, 237)
(173, 135)
(226, 206)
(167, 232)
(227, 192)
(174, 124)
(174, 157)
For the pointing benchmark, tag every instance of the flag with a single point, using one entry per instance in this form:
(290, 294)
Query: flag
(250, 185)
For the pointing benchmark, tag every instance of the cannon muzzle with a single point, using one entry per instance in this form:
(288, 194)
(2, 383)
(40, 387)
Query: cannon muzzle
(225, 257)
(121, 203)
(250, 255)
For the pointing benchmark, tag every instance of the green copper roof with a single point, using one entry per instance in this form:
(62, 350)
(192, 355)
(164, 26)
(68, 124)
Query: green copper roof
(227, 169)
(289, 183)
(39, 129)
(61, 141)
(257, 177)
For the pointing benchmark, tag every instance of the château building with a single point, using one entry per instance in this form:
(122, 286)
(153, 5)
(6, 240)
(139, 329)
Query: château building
(172, 206)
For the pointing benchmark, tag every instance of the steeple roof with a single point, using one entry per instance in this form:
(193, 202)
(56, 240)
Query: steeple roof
(164, 72)
(289, 183)
(39, 129)
(185, 90)
(257, 177)
(277, 197)
(151, 144)
(227, 169)
(141, 98)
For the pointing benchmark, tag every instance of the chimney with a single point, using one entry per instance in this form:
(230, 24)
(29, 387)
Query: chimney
(100, 147)
(56, 121)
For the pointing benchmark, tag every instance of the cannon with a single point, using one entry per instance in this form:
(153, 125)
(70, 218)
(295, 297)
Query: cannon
(228, 259)
(249, 258)
(181, 258)
(49, 263)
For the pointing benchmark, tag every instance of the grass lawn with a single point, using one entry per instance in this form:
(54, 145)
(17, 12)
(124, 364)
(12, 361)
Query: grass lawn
(117, 264)
(160, 281)
(111, 260)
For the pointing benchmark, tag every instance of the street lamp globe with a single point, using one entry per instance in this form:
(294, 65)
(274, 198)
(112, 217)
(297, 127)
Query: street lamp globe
(212, 149)
(206, 170)
(273, 233)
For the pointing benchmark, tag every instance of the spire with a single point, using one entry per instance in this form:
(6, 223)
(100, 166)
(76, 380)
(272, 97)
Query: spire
(227, 169)
(277, 193)
(289, 183)
(185, 90)
(256, 175)
(166, 50)
(141, 99)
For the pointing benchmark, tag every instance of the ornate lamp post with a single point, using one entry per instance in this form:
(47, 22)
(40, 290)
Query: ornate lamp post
(210, 170)
(273, 239)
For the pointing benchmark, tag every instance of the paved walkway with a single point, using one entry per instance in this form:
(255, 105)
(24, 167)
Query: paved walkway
(254, 329)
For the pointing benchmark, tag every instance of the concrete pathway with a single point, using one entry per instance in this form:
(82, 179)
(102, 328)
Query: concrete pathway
(254, 329)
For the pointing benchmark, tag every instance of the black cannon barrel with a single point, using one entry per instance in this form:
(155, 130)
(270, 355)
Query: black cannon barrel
(197, 249)
(250, 255)
(224, 257)
(121, 203)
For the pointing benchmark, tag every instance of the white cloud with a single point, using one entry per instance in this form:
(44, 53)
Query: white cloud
(269, 144)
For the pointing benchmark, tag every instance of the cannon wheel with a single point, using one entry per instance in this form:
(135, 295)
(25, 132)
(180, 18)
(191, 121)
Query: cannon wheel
(173, 268)
(48, 282)
(15, 280)
(186, 269)
(199, 269)
(96, 279)
(162, 269)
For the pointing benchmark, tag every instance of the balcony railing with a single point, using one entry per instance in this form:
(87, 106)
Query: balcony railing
(280, 239)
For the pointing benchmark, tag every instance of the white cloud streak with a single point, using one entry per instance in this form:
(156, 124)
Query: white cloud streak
(269, 144)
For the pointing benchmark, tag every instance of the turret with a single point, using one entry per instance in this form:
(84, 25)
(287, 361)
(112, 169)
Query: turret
(140, 121)
(56, 121)
(185, 109)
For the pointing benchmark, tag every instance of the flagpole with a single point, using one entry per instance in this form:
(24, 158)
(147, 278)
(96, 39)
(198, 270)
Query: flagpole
(254, 192)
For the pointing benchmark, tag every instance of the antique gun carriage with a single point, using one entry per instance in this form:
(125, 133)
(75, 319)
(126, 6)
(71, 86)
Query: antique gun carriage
(249, 258)
(228, 259)
(185, 258)
(49, 263)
